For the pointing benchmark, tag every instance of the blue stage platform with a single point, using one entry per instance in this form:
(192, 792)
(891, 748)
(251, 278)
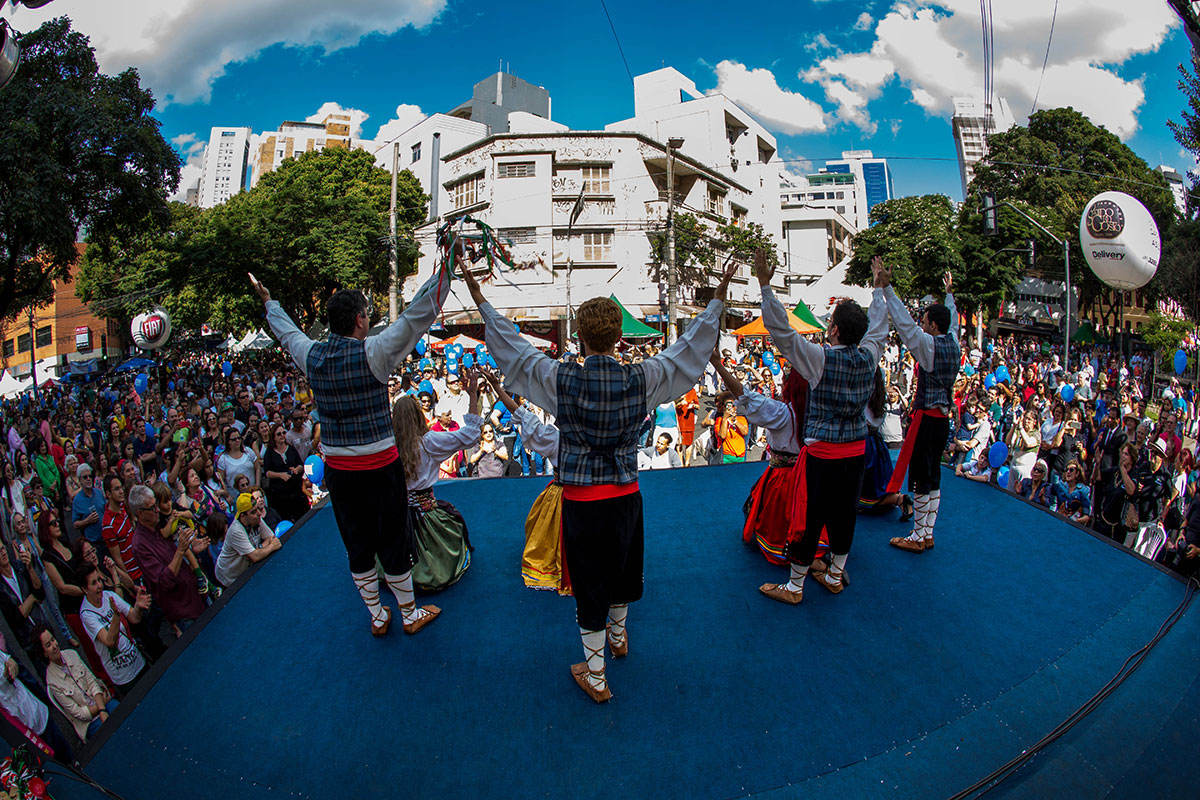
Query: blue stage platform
(926, 674)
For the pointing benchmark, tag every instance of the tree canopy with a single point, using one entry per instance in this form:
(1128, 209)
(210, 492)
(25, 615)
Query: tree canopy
(317, 224)
(917, 237)
(78, 151)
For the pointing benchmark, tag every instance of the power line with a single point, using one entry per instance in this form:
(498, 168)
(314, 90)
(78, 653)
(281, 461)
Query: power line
(1045, 60)
(620, 49)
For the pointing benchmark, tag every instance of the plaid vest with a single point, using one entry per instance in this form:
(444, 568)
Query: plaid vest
(836, 404)
(353, 404)
(601, 407)
(934, 388)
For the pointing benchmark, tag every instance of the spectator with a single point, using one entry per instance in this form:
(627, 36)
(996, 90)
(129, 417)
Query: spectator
(118, 527)
(1023, 444)
(490, 458)
(23, 706)
(73, 688)
(174, 588)
(106, 619)
(978, 470)
(1072, 496)
(1037, 486)
(248, 540)
(87, 509)
(729, 432)
(236, 460)
(21, 592)
(284, 471)
(661, 456)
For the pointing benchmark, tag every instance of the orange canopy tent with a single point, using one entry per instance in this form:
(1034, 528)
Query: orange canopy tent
(757, 328)
(468, 342)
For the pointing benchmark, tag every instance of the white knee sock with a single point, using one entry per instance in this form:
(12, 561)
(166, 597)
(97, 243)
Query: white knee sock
(935, 502)
(920, 515)
(616, 622)
(593, 651)
(839, 565)
(796, 582)
(368, 587)
(402, 587)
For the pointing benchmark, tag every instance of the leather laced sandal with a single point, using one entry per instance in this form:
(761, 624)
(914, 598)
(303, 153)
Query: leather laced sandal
(832, 582)
(381, 628)
(581, 673)
(780, 592)
(818, 567)
(928, 542)
(904, 543)
(621, 649)
(431, 613)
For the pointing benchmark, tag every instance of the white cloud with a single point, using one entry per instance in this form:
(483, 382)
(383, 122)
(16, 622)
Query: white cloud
(357, 117)
(189, 175)
(820, 42)
(864, 22)
(406, 116)
(188, 144)
(757, 91)
(180, 47)
(933, 47)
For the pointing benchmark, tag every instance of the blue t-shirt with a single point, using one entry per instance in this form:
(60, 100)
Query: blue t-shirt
(82, 506)
(664, 416)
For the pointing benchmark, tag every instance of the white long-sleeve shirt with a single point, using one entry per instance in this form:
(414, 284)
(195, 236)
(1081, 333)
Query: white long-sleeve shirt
(809, 357)
(668, 375)
(915, 339)
(775, 417)
(540, 437)
(437, 446)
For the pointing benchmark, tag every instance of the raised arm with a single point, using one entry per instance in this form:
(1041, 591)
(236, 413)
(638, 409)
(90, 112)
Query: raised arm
(672, 372)
(440, 445)
(877, 326)
(389, 347)
(290, 336)
(808, 358)
(540, 437)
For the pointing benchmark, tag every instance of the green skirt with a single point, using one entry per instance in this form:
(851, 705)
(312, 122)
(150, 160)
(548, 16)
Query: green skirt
(442, 546)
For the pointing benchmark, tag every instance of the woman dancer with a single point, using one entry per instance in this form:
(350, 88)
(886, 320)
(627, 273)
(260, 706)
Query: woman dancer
(443, 546)
(874, 496)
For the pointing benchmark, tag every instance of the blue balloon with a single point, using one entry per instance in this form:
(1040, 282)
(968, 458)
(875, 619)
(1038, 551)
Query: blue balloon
(998, 454)
(480, 350)
(1002, 375)
(1002, 477)
(968, 370)
(314, 468)
(425, 386)
(468, 361)
(775, 370)
(149, 429)
(283, 527)
(1180, 362)
(768, 357)
(227, 368)
(989, 381)
(452, 368)
(1067, 392)
(140, 383)
(171, 386)
(492, 362)
(420, 347)
(425, 363)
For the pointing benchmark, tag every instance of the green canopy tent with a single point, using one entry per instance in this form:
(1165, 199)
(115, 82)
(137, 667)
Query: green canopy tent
(805, 313)
(631, 327)
(1086, 334)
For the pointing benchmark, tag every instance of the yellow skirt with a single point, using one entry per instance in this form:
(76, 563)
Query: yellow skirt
(542, 562)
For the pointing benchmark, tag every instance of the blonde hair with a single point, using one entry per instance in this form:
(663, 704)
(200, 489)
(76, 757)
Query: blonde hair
(599, 324)
(408, 423)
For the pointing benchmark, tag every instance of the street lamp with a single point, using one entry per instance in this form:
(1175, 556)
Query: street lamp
(673, 144)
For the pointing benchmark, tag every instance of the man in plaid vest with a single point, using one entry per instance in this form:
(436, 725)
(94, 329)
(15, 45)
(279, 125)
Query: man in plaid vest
(600, 406)
(934, 344)
(829, 470)
(363, 472)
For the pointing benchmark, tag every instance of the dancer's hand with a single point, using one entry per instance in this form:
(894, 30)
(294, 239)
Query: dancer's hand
(882, 275)
(948, 281)
(723, 287)
(263, 292)
(763, 268)
(472, 284)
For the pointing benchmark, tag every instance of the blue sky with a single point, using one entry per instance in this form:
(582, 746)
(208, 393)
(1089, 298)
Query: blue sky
(824, 76)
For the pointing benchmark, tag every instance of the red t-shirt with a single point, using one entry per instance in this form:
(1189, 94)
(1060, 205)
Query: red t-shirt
(118, 532)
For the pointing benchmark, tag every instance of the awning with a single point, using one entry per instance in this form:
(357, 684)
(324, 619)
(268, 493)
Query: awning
(805, 314)
(467, 342)
(632, 328)
(758, 328)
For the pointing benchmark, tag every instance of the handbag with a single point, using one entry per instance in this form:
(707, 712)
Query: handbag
(1129, 517)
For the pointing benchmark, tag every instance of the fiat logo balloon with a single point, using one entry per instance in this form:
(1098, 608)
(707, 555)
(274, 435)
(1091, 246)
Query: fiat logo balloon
(151, 330)
(1120, 240)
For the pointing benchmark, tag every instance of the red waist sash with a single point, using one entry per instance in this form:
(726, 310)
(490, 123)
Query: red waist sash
(800, 476)
(602, 491)
(362, 463)
(910, 441)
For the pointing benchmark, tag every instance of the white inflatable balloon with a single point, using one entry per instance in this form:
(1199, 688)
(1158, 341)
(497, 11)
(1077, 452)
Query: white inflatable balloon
(151, 330)
(1120, 240)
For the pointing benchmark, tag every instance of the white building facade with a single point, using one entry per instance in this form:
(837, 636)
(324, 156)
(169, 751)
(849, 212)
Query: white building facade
(223, 169)
(973, 122)
(294, 138)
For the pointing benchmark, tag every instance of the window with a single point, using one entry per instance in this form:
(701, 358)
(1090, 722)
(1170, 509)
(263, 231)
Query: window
(44, 336)
(597, 246)
(8, 348)
(228, 133)
(716, 201)
(818, 196)
(465, 192)
(596, 180)
(841, 195)
(739, 217)
(416, 152)
(515, 169)
(23, 343)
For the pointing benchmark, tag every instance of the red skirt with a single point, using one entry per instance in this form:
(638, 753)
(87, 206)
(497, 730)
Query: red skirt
(767, 511)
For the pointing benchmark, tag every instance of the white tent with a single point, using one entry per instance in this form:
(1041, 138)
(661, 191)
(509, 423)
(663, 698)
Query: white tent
(824, 293)
(9, 386)
(254, 340)
(47, 367)
(229, 343)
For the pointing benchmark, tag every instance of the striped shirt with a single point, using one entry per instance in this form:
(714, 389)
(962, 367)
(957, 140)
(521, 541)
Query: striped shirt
(118, 533)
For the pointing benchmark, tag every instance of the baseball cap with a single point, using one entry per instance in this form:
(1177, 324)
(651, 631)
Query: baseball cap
(227, 406)
(245, 502)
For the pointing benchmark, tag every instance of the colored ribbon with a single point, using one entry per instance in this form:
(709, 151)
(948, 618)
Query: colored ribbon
(906, 450)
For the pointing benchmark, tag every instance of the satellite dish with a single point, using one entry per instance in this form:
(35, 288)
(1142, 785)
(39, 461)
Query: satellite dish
(10, 53)
(1120, 240)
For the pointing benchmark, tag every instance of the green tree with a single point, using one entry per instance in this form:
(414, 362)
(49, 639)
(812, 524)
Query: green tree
(1051, 169)
(78, 151)
(1164, 333)
(917, 238)
(693, 251)
(317, 224)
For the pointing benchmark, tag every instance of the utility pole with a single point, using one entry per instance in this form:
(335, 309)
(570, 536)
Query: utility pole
(33, 356)
(393, 269)
(576, 210)
(672, 145)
